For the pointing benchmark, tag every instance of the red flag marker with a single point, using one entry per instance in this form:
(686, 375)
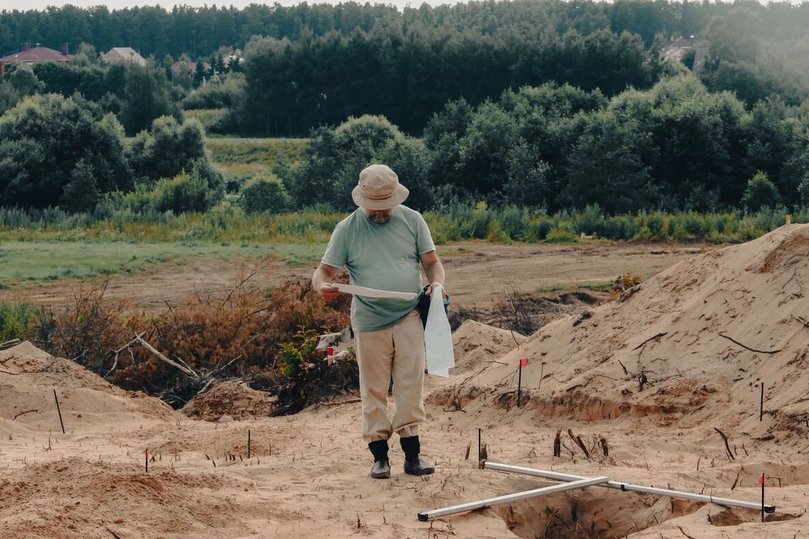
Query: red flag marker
(523, 362)
(761, 482)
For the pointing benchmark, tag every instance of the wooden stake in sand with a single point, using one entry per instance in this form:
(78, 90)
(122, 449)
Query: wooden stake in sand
(761, 405)
(147, 461)
(58, 409)
(523, 363)
(248, 443)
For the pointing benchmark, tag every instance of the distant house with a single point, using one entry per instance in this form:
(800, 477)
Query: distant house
(34, 55)
(121, 55)
(677, 48)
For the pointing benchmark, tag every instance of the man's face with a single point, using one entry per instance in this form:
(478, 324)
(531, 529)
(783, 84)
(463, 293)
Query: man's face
(379, 217)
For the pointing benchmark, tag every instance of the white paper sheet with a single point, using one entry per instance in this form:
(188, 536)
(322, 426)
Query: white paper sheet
(373, 292)
(438, 337)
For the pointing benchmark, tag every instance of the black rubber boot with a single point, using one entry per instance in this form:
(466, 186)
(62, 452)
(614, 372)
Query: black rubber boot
(381, 467)
(414, 464)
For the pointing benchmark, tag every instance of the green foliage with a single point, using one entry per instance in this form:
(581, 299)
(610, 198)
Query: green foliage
(19, 320)
(263, 195)
(25, 81)
(217, 95)
(334, 158)
(50, 142)
(760, 193)
(290, 358)
(146, 97)
(81, 192)
(168, 149)
(609, 165)
(185, 192)
(804, 191)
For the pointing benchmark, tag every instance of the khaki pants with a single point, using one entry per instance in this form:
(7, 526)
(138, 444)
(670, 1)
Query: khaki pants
(396, 352)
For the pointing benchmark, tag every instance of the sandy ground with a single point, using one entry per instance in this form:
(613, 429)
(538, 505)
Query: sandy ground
(656, 375)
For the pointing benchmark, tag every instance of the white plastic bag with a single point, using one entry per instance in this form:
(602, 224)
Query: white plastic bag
(438, 337)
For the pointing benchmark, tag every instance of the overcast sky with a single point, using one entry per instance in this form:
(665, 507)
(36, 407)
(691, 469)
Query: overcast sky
(120, 4)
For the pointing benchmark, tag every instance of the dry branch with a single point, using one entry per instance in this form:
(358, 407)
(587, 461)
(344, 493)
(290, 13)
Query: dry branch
(9, 344)
(727, 445)
(651, 339)
(182, 368)
(23, 413)
(577, 440)
(748, 348)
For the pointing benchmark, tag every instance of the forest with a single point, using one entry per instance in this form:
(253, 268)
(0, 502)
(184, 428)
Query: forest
(532, 104)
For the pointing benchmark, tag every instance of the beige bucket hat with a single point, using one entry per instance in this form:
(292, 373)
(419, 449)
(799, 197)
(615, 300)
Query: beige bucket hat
(379, 189)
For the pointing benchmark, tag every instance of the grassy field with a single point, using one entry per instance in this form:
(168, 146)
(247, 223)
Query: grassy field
(51, 260)
(245, 158)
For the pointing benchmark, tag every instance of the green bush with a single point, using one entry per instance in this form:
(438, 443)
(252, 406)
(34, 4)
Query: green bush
(760, 193)
(561, 235)
(590, 221)
(620, 227)
(537, 229)
(511, 222)
(19, 320)
(183, 193)
(264, 195)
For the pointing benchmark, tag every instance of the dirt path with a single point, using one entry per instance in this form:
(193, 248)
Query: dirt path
(477, 273)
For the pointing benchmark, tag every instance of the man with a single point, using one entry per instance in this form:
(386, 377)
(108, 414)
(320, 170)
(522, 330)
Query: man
(381, 244)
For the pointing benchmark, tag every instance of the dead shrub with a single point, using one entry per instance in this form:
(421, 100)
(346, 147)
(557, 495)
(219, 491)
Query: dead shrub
(237, 336)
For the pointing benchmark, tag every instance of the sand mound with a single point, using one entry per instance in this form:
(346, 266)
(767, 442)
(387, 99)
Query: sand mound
(29, 377)
(232, 399)
(691, 345)
(477, 344)
(61, 499)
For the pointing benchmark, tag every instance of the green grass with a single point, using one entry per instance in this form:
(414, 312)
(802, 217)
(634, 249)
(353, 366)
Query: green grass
(261, 151)
(52, 260)
(598, 285)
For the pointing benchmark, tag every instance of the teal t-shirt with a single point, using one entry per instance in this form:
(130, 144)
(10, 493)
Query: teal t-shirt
(385, 257)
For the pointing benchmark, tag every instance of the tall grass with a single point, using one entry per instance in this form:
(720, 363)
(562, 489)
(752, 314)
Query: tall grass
(512, 224)
(227, 223)
(20, 320)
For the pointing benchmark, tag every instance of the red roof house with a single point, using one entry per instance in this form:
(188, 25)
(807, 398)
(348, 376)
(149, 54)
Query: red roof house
(34, 55)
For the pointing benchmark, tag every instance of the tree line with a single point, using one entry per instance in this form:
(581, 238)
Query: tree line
(543, 112)
(676, 146)
(199, 32)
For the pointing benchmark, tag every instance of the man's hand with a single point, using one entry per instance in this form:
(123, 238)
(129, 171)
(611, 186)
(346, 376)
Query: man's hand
(329, 292)
(322, 282)
(433, 286)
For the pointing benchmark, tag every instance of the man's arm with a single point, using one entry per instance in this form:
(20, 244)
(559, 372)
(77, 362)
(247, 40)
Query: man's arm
(433, 269)
(321, 281)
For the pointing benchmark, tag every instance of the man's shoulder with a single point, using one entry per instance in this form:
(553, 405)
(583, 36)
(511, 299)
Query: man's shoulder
(409, 214)
(348, 220)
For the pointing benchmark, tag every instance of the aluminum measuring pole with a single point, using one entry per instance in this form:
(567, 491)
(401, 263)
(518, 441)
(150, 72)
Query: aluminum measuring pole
(727, 502)
(471, 506)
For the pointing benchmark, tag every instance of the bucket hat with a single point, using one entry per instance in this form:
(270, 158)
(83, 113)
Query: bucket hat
(379, 189)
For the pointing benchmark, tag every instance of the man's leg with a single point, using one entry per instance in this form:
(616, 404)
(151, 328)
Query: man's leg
(408, 391)
(374, 357)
